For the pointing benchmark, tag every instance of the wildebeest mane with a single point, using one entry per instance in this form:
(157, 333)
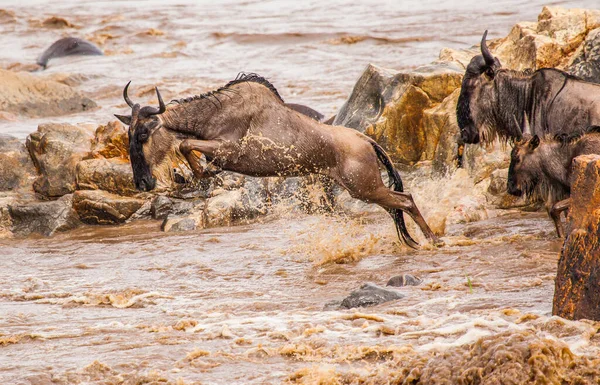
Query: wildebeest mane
(240, 78)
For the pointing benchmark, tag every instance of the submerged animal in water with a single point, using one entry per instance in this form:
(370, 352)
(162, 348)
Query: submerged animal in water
(544, 167)
(68, 46)
(552, 100)
(245, 127)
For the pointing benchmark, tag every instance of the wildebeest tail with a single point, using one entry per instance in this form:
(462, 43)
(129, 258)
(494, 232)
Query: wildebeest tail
(396, 183)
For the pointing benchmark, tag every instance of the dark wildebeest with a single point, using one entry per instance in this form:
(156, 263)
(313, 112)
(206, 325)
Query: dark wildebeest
(544, 167)
(68, 46)
(491, 97)
(245, 127)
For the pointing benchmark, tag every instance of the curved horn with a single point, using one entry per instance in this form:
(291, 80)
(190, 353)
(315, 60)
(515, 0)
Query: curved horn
(129, 102)
(487, 55)
(162, 108)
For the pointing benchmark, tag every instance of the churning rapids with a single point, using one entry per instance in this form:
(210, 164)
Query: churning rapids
(244, 304)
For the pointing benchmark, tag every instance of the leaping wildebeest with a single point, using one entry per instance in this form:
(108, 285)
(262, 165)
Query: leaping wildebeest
(492, 97)
(245, 127)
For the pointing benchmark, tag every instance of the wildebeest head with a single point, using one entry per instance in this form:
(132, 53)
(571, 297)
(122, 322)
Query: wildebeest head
(525, 171)
(144, 124)
(479, 75)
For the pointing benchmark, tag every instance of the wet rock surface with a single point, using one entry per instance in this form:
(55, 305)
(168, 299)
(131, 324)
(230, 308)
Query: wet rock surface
(30, 95)
(577, 293)
(45, 218)
(369, 294)
(113, 175)
(55, 150)
(16, 167)
(404, 280)
(99, 207)
(389, 107)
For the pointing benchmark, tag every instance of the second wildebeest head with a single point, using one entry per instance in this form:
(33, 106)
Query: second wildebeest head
(143, 123)
(525, 170)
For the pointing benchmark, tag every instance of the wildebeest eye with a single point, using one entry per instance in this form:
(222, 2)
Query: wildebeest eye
(144, 137)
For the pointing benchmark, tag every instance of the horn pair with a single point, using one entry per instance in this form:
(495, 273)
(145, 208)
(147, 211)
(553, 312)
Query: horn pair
(156, 111)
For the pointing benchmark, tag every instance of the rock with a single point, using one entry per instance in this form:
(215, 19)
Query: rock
(577, 290)
(551, 42)
(16, 167)
(163, 206)
(191, 222)
(369, 295)
(111, 141)
(404, 280)
(6, 222)
(498, 182)
(113, 175)
(389, 107)
(34, 96)
(55, 150)
(44, 218)
(441, 120)
(586, 61)
(99, 207)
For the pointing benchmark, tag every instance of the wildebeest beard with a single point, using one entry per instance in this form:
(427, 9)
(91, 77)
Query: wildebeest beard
(142, 176)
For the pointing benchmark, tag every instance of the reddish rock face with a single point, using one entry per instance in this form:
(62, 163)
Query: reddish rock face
(577, 292)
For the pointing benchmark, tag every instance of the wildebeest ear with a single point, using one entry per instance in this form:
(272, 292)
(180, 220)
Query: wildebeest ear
(534, 142)
(125, 119)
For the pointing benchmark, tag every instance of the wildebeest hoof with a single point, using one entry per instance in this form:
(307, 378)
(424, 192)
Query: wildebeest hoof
(404, 280)
(437, 242)
(369, 295)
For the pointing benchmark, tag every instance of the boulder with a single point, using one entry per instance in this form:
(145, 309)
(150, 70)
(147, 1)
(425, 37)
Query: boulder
(586, 61)
(35, 96)
(577, 284)
(192, 221)
(369, 295)
(389, 107)
(55, 150)
(113, 175)
(99, 207)
(162, 207)
(44, 218)
(551, 42)
(16, 167)
(111, 141)
(404, 280)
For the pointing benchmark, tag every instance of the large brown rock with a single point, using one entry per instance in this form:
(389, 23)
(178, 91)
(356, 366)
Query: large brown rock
(550, 42)
(113, 175)
(32, 95)
(577, 292)
(56, 149)
(16, 167)
(390, 106)
(99, 207)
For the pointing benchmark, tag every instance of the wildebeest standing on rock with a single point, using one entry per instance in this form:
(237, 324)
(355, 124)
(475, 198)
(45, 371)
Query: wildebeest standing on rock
(245, 127)
(491, 97)
(544, 167)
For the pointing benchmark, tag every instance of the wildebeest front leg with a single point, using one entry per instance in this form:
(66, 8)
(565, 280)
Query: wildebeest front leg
(555, 211)
(206, 147)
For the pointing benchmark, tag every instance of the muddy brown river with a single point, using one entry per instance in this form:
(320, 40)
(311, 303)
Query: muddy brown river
(245, 304)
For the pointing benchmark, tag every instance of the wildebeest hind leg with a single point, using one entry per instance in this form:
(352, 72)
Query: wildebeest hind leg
(206, 147)
(554, 213)
(404, 201)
